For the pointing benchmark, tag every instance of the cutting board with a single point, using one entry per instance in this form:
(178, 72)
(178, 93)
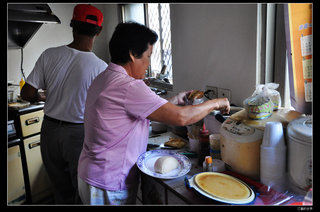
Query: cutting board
(18, 105)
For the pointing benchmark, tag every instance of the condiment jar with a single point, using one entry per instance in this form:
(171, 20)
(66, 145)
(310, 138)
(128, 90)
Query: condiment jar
(207, 164)
(215, 146)
(204, 145)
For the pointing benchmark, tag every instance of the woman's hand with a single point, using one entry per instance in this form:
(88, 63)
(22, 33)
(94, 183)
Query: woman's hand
(223, 105)
(180, 99)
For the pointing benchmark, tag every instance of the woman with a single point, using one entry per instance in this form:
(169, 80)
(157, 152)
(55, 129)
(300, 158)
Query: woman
(118, 109)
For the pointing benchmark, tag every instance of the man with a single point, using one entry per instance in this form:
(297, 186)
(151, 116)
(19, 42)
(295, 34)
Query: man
(65, 73)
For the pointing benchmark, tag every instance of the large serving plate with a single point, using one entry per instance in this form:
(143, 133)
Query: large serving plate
(192, 183)
(147, 160)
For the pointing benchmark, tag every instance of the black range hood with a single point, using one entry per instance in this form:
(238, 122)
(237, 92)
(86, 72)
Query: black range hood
(24, 20)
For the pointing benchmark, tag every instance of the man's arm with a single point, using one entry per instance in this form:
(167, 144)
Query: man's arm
(30, 94)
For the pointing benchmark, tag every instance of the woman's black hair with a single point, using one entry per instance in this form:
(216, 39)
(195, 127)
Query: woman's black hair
(130, 37)
(83, 28)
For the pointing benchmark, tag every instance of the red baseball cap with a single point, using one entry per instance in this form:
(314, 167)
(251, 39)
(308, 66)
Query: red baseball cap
(87, 13)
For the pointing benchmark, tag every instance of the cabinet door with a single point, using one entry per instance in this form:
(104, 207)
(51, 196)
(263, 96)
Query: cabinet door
(16, 190)
(152, 191)
(39, 182)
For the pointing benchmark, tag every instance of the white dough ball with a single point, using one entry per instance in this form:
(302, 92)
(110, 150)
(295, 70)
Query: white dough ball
(165, 164)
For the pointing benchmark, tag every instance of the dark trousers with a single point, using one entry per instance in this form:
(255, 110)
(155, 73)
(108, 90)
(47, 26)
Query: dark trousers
(61, 145)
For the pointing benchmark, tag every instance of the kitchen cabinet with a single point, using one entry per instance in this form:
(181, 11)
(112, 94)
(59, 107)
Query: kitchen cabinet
(173, 199)
(31, 173)
(39, 182)
(16, 189)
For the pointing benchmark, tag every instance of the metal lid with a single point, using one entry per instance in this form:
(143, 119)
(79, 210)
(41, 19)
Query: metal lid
(300, 129)
(239, 132)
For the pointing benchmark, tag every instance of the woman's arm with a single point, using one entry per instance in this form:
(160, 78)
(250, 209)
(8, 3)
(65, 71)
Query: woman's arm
(185, 115)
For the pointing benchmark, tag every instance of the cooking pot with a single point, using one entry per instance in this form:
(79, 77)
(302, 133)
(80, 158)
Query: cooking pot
(299, 135)
(240, 148)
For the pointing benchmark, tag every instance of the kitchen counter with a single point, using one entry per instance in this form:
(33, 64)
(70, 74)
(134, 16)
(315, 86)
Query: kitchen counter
(175, 192)
(22, 107)
(172, 191)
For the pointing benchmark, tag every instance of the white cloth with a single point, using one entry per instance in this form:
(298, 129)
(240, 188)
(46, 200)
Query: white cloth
(66, 74)
(91, 195)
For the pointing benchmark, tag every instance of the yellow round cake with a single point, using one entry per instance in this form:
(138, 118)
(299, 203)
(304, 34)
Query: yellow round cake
(222, 186)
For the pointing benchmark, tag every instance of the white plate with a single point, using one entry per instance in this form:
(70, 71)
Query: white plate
(146, 162)
(192, 184)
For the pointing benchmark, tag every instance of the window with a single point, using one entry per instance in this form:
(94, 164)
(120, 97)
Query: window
(274, 60)
(156, 17)
(133, 12)
(271, 49)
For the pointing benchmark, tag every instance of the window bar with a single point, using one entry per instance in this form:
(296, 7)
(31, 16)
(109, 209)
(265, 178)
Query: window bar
(146, 21)
(160, 36)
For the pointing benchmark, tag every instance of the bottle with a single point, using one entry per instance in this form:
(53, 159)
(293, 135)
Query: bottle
(204, 144)
(207, 164)
(21, 84)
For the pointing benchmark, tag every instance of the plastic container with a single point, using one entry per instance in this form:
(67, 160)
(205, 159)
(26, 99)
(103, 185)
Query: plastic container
(194, 145)
(207, 164)
(21, 83)
(212, 124)
(273, 135)
(273, 157)
(10, 96)
(218, 165)
(214, 140)
(299, 137)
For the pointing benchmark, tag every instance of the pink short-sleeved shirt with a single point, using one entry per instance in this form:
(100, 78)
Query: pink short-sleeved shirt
(116, 128)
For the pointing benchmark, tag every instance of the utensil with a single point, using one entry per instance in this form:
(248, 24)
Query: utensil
(154, 136)
(151, 146)
(220, 117)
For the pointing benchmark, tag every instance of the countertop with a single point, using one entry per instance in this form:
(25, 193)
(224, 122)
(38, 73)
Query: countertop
(177, 186)
(22, 107)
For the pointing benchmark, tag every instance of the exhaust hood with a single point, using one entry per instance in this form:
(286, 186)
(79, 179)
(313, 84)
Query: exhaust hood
(24, 20)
